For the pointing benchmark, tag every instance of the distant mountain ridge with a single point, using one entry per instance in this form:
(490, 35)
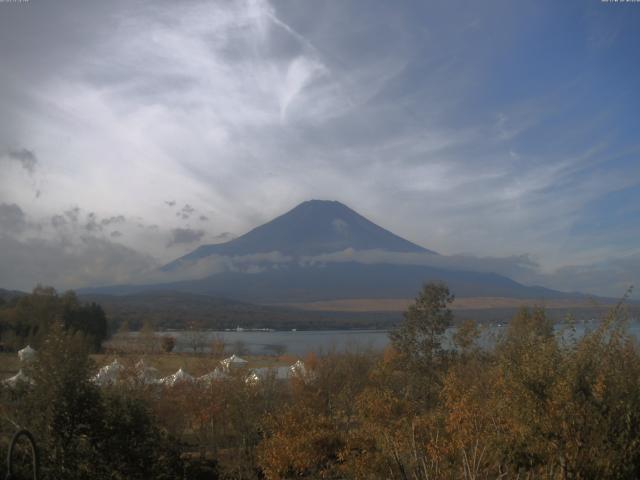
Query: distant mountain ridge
(304, 238)
(312, 228)
(10, 294)
(342, 280)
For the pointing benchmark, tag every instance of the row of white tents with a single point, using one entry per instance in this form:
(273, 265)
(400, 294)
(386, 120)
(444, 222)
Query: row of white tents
(114, 372)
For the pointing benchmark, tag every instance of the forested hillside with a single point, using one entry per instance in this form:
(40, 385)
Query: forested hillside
(26, 319)
(537, 405)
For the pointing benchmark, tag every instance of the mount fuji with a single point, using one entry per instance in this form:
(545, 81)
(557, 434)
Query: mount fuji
(313, 253)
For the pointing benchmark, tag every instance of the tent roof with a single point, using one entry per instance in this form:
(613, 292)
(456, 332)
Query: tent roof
(298, 367)
(143, 367)
(19, 377)
(179, 376)
(234, 359)
(26, 353)
(299, 370)
(109, 373)
(115, 365)
(213, 375)
(280, 373)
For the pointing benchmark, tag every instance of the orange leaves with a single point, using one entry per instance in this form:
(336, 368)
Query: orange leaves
(299, 442)
(390, 355)
(312, 361)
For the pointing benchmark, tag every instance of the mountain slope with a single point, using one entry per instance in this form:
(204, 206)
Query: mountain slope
(7, 295)
(310, 229)
(313, 227)
(296, 283)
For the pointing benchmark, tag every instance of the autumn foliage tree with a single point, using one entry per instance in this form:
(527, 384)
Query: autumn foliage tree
(544, 401)
(168, 343)
(83, 432)
(418, 339)
(29, 318)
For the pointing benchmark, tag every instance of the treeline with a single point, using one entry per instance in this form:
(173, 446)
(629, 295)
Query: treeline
(27, 319)
(538, 405)
(81, 431)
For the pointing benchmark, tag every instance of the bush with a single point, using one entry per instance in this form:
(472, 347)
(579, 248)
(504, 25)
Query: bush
(168, 344)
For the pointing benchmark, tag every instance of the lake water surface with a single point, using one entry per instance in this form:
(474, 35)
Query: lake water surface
(303, 342)
(279, 342)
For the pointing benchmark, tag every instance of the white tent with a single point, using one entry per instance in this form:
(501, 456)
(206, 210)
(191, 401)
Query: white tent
(233, 361)
(108, 375)
(298, 369)
(282, 373)
(27, 354)
(18, 378)
(279, 373)
(207, 378)
(179, 377)
(252, 378)
(146, 373)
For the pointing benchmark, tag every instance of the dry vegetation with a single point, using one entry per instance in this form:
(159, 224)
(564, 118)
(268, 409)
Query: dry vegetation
(537, 405)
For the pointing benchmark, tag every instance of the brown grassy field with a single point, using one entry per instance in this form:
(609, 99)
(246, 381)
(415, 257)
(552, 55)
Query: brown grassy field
(400, 304)
(9, 364)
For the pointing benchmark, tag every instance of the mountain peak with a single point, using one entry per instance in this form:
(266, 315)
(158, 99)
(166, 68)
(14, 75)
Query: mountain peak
(322, 202)
(319, 209)
(311, 228)
(318, 201)
(316, 205)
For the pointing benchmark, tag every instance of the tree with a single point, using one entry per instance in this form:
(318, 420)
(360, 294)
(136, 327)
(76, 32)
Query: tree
(123, 337)
(148, 337)
(570, 406)
(89, 319)
(83, 432)
(124, 328)
(529, 325)
(195, 336)
(168, 344)
(217, 346)
(31, 317)
(131, 444)
(466, 336)
(308, 438)
(63, 408)
(418, 338)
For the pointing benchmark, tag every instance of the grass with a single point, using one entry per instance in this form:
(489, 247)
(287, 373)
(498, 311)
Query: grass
(9, 364)
(166, 363)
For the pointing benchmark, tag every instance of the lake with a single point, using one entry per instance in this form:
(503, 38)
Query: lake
(280, 342)
(301, 342)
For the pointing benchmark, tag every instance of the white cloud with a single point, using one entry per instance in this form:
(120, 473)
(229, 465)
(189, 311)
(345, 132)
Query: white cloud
(89, 261)
(243, 109)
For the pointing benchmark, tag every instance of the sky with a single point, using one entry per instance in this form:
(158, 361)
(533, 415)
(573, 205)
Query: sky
(501, 133)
